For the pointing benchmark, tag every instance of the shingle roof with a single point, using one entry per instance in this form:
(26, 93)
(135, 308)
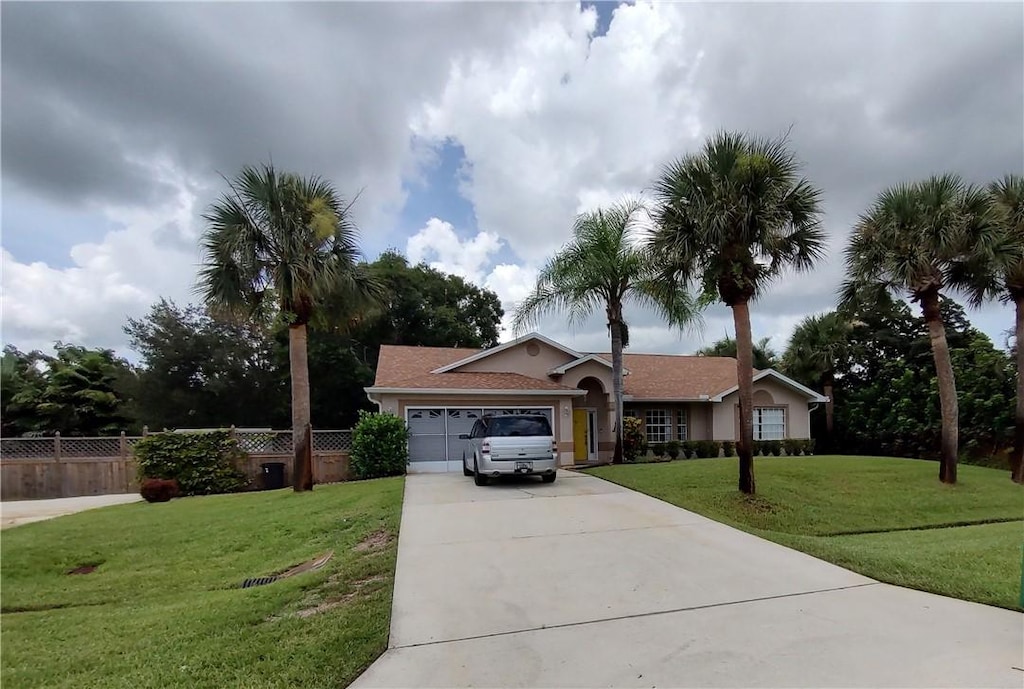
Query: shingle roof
(673, 376)
(651, 376)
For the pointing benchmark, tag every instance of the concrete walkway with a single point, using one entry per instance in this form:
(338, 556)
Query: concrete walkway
(18, 512)
(581, 583)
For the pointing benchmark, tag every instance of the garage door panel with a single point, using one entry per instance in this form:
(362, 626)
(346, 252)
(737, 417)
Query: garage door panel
(427, 448)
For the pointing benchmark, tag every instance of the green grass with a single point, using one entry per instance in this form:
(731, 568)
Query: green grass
(163, 609)
(889, 519)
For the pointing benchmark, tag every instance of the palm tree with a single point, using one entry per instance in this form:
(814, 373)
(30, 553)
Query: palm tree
(996, 270)
(763, 354)
(909, 242)
(814, 348)
(280, 242)
(731, 218)
(604, 266)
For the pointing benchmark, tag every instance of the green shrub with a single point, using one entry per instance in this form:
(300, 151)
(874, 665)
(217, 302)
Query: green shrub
(203, 463)
(633, 438)
(792, 446)
(759, 447)
(774, 447)
(658, 449)
(380, 446)
(706, 449)
(728, 448)
(673, 447)
(808, 446)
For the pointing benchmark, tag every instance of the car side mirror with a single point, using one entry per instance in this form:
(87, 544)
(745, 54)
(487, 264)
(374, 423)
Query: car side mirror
(463, 436)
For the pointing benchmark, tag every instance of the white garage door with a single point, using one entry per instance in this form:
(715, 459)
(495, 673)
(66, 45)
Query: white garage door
(434, 443)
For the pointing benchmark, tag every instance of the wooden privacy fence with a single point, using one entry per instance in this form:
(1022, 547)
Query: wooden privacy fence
(56, 467)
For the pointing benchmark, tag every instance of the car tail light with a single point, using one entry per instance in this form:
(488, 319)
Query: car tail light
(554, 447)
(485, 446)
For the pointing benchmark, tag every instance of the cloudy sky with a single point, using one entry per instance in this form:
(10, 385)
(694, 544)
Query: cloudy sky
(475, 130)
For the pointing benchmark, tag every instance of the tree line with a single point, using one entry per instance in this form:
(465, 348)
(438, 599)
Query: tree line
(200, 369)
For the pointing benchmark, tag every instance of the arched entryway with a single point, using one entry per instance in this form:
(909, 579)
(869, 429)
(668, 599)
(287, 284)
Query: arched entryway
(589, 415)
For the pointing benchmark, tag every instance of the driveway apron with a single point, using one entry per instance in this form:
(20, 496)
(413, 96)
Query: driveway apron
(582, 583)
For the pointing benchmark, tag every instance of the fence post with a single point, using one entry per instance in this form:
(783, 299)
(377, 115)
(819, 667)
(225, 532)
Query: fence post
(145, 431)
(231, 432)
(56, 446)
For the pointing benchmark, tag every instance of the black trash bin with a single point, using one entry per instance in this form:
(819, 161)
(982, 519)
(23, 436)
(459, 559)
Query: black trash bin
(273, 475)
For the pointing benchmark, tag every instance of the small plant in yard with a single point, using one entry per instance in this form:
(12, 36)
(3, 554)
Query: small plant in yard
(673, 448)
(658, 449)
(706, 449)
(379, 446)
(774, 447)
(808, 446)
(728, 448)
(792, 446)
(159, 489)
(633, 438)
(203, 463)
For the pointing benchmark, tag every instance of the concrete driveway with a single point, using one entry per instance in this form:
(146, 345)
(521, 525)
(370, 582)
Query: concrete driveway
(582, 583)
(18, 512)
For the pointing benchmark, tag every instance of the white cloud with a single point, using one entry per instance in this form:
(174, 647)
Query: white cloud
(563, 121)
(439, 246)
(153, 255)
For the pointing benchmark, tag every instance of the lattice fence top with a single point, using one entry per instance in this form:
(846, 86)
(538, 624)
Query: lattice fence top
(26, 448)
(265, 442)
(252, 442)
(332, 441)
(90, 447)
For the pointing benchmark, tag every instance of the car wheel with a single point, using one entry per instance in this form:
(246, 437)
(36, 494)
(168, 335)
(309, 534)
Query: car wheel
(548, 478)
(478, 478)
(465, 471)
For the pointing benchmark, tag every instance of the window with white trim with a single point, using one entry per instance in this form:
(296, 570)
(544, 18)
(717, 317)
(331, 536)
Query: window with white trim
(659, 425)
(681, 424)
(769, 423)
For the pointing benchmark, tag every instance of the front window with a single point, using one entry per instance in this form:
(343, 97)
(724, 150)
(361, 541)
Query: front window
(659, 425)
(769, 423)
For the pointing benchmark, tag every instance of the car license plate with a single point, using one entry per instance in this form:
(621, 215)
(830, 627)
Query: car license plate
(524, 466)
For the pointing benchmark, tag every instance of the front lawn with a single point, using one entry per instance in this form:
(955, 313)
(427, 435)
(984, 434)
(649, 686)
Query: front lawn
(163, 608)
(864, 513)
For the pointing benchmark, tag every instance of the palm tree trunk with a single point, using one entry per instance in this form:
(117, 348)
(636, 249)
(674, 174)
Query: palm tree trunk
(615, 327)
(947, 386)
(1017, 454)
(828, 388)
(302, 466)
(745, 381)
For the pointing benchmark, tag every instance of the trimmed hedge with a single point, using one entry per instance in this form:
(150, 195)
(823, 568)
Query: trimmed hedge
(380, 446)
(203, 463)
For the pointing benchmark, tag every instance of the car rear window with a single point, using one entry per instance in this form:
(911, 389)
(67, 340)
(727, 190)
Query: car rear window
(505, 426)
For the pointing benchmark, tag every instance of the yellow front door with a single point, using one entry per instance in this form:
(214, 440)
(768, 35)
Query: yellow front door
(579, 435)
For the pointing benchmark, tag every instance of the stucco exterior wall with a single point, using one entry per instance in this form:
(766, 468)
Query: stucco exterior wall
(562, 411)
(518, 360)
(767, 393)
(591, 369)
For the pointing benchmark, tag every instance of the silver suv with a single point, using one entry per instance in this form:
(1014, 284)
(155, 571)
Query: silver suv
(508, 445)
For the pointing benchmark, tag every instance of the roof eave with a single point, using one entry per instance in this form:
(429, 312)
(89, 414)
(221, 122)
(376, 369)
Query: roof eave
(479, 392)
(507, 345)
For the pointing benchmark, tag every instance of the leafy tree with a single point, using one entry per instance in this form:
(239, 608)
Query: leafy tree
(814, 350)
(604, 267)
(277, 241)
(996, 270)
(423, 306)
(731, 218)
(908, 242)
(81, 394)
(199, 371)
(763, 354)
(21, 385)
